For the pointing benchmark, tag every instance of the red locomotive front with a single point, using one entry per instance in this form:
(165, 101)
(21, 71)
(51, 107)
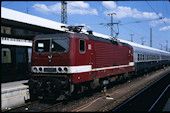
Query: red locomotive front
(55, 60)
(67, 62)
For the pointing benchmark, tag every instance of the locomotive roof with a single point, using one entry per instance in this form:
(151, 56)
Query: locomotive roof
(96, 38)
(90, 37)
(52, 35)
(136, 47)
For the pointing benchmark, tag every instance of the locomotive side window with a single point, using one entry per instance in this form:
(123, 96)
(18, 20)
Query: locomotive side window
(82, 46)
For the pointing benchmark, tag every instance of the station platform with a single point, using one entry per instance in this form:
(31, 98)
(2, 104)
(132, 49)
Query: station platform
(14, 94)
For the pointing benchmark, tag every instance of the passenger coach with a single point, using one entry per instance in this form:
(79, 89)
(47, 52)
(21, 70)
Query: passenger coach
(147, 58)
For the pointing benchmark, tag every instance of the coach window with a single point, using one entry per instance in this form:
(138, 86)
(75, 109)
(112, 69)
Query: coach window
(82, 46)
(141, 57)
(138, 57)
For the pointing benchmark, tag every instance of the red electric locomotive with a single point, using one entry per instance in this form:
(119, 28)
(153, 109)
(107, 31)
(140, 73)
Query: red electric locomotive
(64, 63)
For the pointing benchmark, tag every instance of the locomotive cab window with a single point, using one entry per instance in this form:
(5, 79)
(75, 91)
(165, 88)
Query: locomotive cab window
(82, 46)
(42, 45)
(60, 45)
(57, 45)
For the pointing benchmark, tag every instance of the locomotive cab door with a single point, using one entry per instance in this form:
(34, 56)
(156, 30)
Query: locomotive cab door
(86, 53)
(91, 55)
(92, 58)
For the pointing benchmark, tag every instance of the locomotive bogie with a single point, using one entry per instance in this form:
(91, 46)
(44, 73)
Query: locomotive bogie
(50, 87)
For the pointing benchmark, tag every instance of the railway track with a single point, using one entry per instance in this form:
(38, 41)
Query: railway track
(72, 104)
(120, 94)
(25, 106)
(150, 95)
(50, 108)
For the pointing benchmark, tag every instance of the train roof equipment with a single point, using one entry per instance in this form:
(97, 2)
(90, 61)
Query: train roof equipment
(73, 28)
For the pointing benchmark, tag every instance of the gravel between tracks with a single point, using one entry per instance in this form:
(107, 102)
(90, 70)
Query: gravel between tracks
(118, 93)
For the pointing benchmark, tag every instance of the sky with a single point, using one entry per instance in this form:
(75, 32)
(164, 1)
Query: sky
(132, 17)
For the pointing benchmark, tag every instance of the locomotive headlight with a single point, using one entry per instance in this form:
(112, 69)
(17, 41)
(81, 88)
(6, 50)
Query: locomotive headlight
(59, 69)
(40, 69)
(35, 69)
(65, 69)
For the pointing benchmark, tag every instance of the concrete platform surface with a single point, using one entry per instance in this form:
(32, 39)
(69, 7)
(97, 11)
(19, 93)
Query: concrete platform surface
(14, 94)
(13, 84)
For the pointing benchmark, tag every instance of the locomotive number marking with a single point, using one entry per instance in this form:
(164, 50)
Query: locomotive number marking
(49, 69)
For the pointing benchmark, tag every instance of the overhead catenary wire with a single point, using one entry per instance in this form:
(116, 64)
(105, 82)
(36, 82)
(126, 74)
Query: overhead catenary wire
(160, 17)
(133, 22)
(139, 24)
(166, 8)
(92, 14)
(156, 13)
(7, 4)
(97, 16)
